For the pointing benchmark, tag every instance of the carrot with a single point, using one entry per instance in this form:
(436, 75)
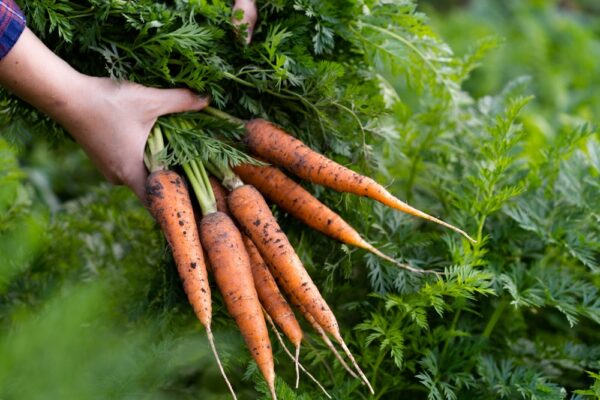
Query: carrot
(296, 200)
(270, 296)
(268, 293)
(272, 299)
(257, 221)
(231, 268)
(275, 145)
(169, 203)
(220, 195)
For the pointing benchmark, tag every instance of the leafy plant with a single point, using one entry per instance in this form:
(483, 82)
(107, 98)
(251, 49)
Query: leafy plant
(369, 83)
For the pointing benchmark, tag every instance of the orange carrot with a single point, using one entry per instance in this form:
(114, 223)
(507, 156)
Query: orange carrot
(257, 221)
(220, 195)
(275, 145)
(169, 203)
(231, 268)
(230, 264)
(296, 200)
(268, 293)
(272, 299)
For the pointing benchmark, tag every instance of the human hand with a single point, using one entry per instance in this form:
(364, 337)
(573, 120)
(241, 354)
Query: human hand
(248, 20)
(113, 124)
(110, 120)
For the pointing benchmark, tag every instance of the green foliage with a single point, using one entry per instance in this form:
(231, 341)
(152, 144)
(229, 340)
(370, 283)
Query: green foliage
(90, 302)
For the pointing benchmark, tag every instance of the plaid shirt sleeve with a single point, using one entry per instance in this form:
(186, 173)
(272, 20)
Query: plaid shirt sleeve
(12, 24)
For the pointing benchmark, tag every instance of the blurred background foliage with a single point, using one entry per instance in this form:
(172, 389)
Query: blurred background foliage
(91, 305)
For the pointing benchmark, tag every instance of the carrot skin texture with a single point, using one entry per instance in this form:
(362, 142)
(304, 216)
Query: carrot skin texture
(220, 195)
(266, 287)
(270, 296)
(231, 268)
(169, 203)
(277, 146)
(297, 201)
(252, 213)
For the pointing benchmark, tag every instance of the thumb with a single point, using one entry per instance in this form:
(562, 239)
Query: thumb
(170, 101)
(248, 17)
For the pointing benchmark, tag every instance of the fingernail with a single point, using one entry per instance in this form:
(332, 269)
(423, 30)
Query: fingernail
(205, 98)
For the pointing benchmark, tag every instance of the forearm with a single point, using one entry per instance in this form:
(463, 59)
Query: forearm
(35, 74)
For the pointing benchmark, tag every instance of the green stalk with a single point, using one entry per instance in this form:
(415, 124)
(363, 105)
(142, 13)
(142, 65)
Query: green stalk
(214, 170)
(228, 178)
(198, 178)
(204, 194)
(223, 115)
(494, 318)
(154, 146)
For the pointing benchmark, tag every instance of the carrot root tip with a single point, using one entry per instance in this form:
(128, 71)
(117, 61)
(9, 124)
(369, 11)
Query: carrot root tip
(335, 352)
(211, 341)
(272, 390)
(297, 362)
(351, 357)
(270, 320)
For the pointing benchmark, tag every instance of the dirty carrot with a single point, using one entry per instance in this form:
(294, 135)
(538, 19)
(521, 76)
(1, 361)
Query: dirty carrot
(272, 299)
(268, 293)
(169, 203)
(275, 145)
(297, 201)
(257, 221)
(231, 268)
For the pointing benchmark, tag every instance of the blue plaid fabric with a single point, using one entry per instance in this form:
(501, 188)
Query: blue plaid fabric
(12, 24)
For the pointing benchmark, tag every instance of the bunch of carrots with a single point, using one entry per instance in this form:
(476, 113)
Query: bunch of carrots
(236, 237)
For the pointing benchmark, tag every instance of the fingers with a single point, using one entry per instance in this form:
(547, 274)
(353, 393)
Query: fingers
(248, 17)
(169, 101)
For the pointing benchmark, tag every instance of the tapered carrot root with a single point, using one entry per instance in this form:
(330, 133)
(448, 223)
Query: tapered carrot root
(170, 205)
(272, 299)
(297, 201)
(257, 221)
(325, 338)
(268, 293)
(169, 202)
(295, 358)
(231, 268)
(275, 145)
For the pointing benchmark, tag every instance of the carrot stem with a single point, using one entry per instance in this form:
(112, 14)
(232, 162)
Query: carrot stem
(203, 199)
(154, 145)
(228, 178)
(214, 170)
(223, 115)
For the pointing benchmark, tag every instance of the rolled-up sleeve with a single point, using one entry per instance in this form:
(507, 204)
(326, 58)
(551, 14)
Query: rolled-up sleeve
(12, 24)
